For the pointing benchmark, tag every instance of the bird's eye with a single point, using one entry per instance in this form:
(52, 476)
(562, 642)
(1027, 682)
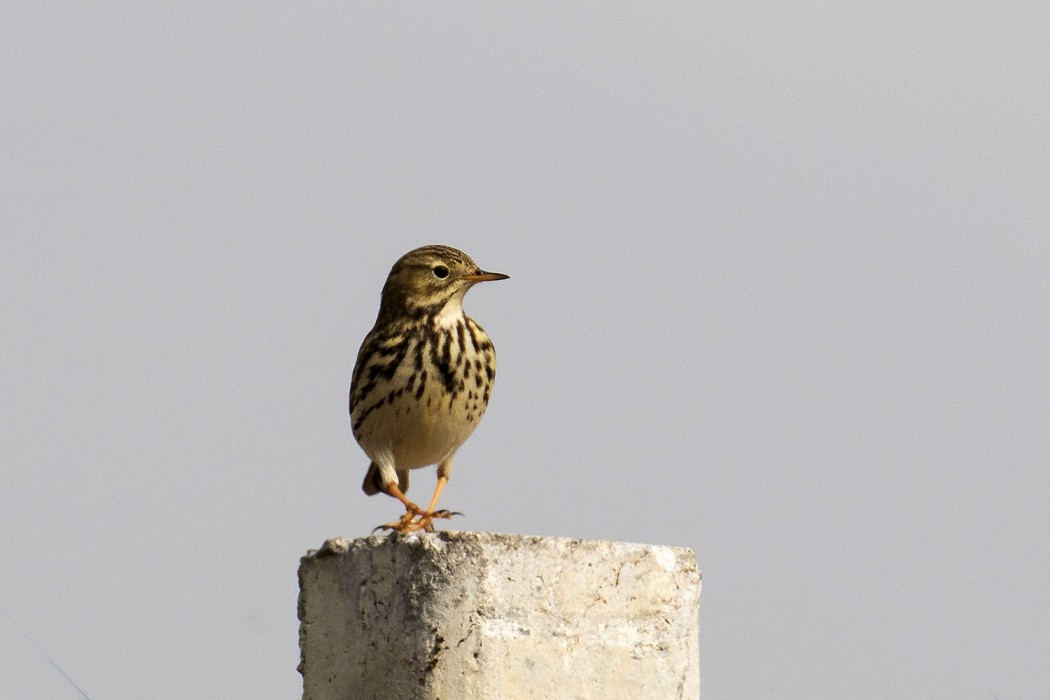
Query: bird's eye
(440, 271)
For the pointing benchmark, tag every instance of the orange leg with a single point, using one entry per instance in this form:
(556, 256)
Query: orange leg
(405, 523)
(442, 480)
(408, 522)
(426, 518)
(393, 489)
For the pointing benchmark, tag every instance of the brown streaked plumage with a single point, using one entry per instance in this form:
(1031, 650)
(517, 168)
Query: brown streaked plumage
(423, 376)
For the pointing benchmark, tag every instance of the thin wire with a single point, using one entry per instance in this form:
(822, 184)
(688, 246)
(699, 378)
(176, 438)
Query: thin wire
(43, 653)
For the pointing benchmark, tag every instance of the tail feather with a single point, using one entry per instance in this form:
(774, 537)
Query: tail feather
(373, 482)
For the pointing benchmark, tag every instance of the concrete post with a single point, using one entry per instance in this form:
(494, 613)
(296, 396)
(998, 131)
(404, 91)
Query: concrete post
(459, 615)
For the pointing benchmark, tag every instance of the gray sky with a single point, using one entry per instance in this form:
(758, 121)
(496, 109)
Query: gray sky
(779, 293)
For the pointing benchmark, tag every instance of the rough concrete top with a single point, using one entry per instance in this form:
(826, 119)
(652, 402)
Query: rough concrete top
(495, 541)
(470, 614)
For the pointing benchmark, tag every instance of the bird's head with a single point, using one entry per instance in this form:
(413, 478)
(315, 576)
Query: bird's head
(424, 280)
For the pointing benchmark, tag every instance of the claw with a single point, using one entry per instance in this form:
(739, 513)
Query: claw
(426, 518)
(408, 522)
(404, 525)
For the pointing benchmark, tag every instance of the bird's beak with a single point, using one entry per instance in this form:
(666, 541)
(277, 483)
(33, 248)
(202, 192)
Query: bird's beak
(486, 277)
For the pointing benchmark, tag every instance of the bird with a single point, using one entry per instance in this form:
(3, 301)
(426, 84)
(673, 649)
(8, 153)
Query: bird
(422, 378)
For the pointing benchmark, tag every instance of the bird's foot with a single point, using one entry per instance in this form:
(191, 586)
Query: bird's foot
(415, 520)
(426, 518)
(403, 525)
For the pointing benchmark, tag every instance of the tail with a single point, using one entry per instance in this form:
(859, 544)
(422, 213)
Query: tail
(373, 483)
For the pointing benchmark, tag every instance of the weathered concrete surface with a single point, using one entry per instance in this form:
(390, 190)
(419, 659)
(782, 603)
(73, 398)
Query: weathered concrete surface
(457, 615)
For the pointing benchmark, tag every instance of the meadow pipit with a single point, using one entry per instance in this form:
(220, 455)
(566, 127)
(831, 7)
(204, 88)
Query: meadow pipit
(422, 378)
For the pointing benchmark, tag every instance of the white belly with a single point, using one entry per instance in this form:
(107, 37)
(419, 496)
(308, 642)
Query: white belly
(401, 428)
(422, 431)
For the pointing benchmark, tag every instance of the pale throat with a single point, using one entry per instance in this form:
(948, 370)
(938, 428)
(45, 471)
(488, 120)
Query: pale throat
(450, 313)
